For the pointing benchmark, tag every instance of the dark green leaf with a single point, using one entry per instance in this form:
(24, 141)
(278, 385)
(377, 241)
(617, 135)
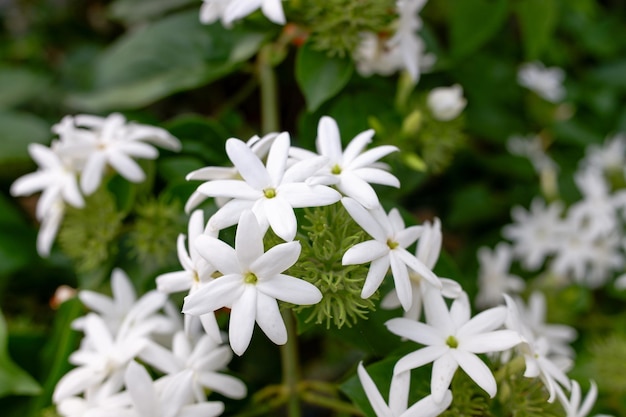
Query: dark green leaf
(13, 380)
(473, 23)
(319, 76)
(174, 54)
(19, 85)
(17, 130)
(538, 20)
(130, 11)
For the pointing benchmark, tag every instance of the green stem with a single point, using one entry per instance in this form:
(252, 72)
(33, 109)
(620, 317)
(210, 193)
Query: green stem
(291, 372)
(269, 91)
(331, 404)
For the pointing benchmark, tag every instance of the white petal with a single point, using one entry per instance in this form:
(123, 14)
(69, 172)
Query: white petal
(356, 145)
(415, 331)
(495, 341)
(242, 318)
(248, 240)
(245, 160)
(401, 280)
(303, 195)
(269, 319)
(375, 275)
(281, 217)
(276, 260)
(277, 157)
(460, 311)
(205, 409)
(216, 294)
(436, 311)
(354, 187)
(443, 370)
(239, 9)
(289, 289)
(228, 214)
(304, 169)
(97, 302)
(210, 326)
(419, 358)
(418, 266)
(231, 189)
(372, 155)
(273, 10)
(483, 322)
(123, 290)
(226, 385)
(364, 219)
(364, 252)
(427, 407)
(172, 282)
(477, 370)
(75, 381)
(373, 395)
(91, 175)
(30, 183)
(328, 140)
(126, 167)
(407, 236)
(139, 386)
(377, 176)
(218, 254)
(212, 173)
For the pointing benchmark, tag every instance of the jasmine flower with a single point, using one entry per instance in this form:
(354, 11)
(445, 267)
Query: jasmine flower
(546, 82)
(446, 103)
(572, 405)
(251, 284)
(494, 276)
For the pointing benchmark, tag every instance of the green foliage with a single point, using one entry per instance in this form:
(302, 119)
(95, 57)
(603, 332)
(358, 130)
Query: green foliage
(538, 19)
(608, 356)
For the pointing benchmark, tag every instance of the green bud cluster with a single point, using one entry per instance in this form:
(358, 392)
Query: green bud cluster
(157, 224)
(336, 26)
(87, 233)
(329, 232)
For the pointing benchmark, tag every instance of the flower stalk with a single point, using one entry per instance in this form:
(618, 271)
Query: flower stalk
(290, 365)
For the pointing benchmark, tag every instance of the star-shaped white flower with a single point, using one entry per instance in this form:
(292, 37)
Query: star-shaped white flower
(446, 103)
(398, 398)
(203, 357)
(271, 191)
(352, 170)
(494, 276)
(453, 339)
(546, 82)
(387, 249)
(251, 284)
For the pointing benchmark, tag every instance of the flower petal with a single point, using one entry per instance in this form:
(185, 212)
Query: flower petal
(476, 369)
(139, 386)
(281, 217)
(242, 318)
(126, 166)
(290, 289)
(364, 219)
(222, 292)
(373, 394)
(419, 358)
(328, 139)
(92, 172)
(401, 280)
(269, 319)
(372, 155)
(377, 176)
(276, 260)
(483, 322)
(218, 254)
(277, 158)
(375, 275)
(226, 385)
(248, 240)
(246, 161)
(354, 187)
(415, 331)
(427, 407)
(364, 252)
(356, 146)
(300, 195)
(443, 371)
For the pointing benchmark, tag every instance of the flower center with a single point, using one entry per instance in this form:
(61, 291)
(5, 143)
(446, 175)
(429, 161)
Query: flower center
(335, 170)
(452, 342)
(250, 278)
(392, 244)
(269, 192)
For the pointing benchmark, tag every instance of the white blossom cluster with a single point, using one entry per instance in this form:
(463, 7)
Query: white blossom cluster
(545, 82)
(76, 162)
(120, 333)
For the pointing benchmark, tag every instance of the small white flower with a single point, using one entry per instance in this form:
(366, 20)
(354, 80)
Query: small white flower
(271, 191)
(231, 10)
(453, 339)
(546, 82)
(387, 249)
(532, 147)
(352, 170)
(446, 103)
(398, 398)
(494, 278)
(610, 157)
(251, 284)
(572, 405)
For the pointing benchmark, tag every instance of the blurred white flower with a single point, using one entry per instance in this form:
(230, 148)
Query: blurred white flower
(532, 147)
(572, 405)
(251, 284)
(398, 398)
(352, 170)
(446, 103)
(228, 11)
(546, 82)
(271, 191)
(452, 339)
(387, 249)
(609, 157)
(494, 277)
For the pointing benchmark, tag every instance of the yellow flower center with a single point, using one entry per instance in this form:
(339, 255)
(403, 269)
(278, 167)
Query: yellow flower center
(452, 342)
(250, 278)
(269, 192)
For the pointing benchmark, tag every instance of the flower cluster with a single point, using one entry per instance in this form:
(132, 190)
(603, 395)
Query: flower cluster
(122, 330)
(76, 162)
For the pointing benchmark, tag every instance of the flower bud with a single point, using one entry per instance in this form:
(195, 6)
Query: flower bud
(446, 103)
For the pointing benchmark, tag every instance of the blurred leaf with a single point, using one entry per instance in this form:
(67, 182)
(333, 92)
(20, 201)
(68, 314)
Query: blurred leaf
(149, 64)
(130, 11)
(176, 168)
(538, 20)
(17, 131)
(612, 74)
(19, 85)
(473, 23)
(13, 380)
(472, 205)
(319, 76)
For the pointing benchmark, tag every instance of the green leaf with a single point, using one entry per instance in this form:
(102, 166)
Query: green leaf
(149, 64)
(473, 23)
(537, 20)
(19, 86)
(17, 131)
(319, 76)
(130, 11)
(13, 379)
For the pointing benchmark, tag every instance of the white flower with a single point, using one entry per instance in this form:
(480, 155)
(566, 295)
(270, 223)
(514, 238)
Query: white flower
(572, 405)
(230, 10)
(537, 353)
(50, 227)
(494, 277)
(427, 251)
(546, 82)
(102, 142)
(446, 103)
(196, 271)
(204, 358)
(166, 397)
(536, 233)
(610, 157)
(398, 398)
(251, 284)
(451, 340)
(352, 170)
(271, 191)
(97, 401)
(387, 249)
(532, 147)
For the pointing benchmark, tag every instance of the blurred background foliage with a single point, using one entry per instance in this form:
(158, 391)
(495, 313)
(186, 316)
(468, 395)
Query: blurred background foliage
(155, 62)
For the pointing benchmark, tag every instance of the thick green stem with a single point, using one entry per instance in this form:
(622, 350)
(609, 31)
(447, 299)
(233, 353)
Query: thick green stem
(291, 371)
(269, 91)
